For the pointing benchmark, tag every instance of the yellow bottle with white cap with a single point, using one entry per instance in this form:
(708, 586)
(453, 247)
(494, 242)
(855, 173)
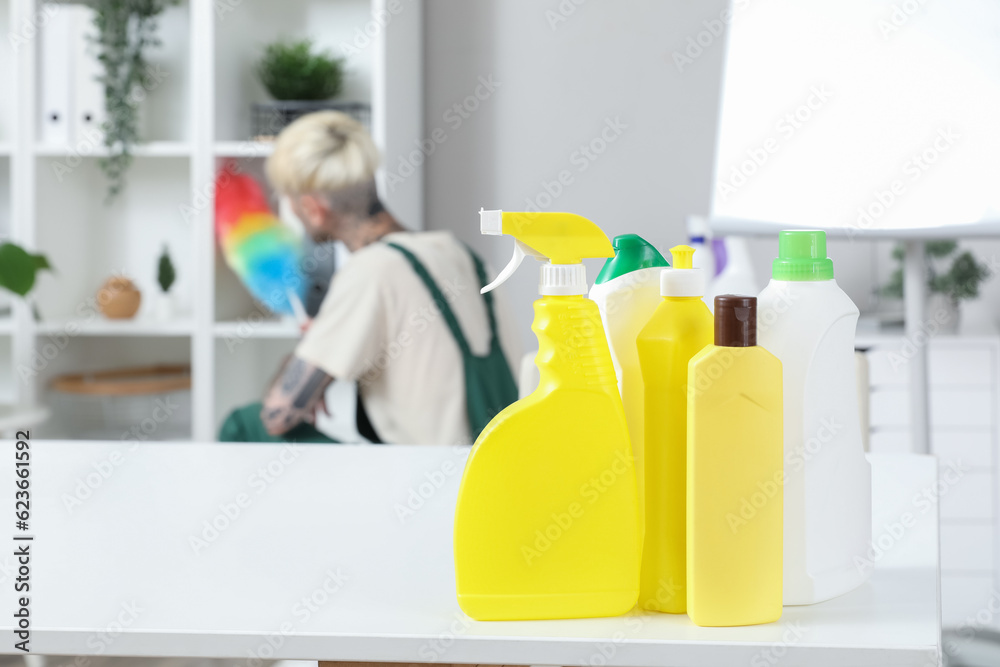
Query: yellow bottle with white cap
(679, 328)
(547, 520)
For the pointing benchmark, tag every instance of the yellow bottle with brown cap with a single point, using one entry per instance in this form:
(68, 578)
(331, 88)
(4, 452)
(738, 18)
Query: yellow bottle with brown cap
(679, 328)
(734, 474)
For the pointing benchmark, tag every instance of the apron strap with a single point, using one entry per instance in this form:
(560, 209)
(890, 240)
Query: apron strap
(439, 300)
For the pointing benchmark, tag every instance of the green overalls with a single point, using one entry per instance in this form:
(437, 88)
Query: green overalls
(489, 383)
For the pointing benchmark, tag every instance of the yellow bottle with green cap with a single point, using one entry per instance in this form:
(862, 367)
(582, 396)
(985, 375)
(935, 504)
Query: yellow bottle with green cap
(679, 328)
(547, 520)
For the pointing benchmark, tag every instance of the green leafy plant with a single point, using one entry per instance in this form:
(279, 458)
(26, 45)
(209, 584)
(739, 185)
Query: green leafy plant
(19, 268)
(126, 30)
(292, 70)
(960, 281)
(165, 274)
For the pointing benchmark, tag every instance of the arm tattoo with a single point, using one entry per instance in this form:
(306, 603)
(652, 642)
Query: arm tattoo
(293, 396)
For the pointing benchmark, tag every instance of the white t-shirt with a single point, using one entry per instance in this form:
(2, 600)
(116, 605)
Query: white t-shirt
(379, 325)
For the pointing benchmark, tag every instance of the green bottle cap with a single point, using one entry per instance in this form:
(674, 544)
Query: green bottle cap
(632, 252)
(802, 256)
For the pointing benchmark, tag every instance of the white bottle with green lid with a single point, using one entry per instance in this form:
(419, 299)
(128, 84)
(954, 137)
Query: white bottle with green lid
(808, 322)
(627, 291)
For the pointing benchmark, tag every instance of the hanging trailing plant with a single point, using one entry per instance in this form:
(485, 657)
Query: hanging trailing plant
(126, 29)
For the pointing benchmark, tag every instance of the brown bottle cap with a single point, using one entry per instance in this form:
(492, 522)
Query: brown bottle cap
(735, 320)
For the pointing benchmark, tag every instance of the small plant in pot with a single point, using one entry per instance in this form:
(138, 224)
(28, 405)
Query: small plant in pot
(952, 277)
(165, 278)
(300, 78)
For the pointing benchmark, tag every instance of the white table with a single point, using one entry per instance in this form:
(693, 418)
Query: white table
(117, 568)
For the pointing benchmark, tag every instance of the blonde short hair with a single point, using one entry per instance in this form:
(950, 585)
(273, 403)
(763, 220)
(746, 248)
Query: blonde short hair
(323, 153)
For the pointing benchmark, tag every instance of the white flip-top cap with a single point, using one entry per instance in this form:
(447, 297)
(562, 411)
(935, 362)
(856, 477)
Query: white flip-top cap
(682, 282)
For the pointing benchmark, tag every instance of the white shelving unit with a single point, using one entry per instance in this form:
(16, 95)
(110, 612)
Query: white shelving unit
(52, 198)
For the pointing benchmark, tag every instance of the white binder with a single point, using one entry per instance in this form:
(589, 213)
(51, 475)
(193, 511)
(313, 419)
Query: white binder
(89, 111)
(55, 75)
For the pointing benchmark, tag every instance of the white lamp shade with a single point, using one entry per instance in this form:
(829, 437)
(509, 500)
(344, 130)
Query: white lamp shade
(861, 117)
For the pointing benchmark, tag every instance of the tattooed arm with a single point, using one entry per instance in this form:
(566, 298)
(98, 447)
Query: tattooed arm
(293, 396)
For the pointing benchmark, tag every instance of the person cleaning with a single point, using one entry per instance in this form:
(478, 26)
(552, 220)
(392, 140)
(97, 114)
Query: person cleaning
(403, 317)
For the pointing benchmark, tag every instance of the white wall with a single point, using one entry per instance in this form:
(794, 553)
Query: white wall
(557, 88)
(558, 82)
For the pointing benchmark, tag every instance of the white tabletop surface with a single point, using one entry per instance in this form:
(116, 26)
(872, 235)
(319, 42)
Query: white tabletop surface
(321, 563)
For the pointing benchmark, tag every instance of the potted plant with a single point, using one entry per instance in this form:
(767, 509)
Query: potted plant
(301, 79)
(165, 277)
(19, 269)
(952, 276)
(126, 30)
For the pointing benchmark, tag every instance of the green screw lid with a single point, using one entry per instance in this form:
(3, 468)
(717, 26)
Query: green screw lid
(802, 256)
(632, 252)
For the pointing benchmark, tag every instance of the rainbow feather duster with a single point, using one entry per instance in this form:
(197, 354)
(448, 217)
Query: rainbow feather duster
(264, 253)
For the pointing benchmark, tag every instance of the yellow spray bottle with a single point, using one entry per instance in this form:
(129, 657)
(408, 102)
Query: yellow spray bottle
(680, 327)
(547, 523)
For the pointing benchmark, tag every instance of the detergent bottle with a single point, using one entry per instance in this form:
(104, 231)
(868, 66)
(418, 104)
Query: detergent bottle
(734, 474)
(627, 291)
(679, 328)
(547, 520)
(808, 322)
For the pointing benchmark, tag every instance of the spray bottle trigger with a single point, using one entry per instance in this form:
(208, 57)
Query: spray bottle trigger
(521, 250)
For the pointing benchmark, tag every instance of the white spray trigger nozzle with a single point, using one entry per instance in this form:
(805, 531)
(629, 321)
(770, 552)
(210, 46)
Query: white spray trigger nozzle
(521, 250)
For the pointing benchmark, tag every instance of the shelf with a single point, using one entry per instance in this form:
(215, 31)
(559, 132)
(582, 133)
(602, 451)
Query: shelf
(243, 148)
(6, 326)
(104, 327)
(152, 149)
(279, 329)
